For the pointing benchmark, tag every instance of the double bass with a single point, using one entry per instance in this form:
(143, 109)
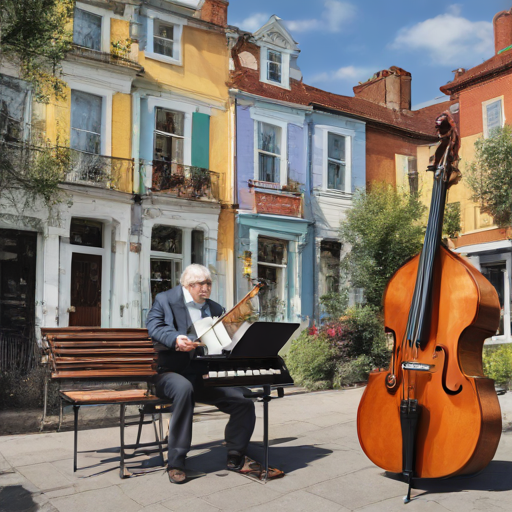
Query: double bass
(433, 413)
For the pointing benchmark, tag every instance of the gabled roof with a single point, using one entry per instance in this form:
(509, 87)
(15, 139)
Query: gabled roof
(275, 33)
(419, 122)
(495, 65)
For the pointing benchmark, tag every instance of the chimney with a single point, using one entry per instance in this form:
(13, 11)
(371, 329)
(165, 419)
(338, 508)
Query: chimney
(502, 24)
(215, 12)
(390, 88)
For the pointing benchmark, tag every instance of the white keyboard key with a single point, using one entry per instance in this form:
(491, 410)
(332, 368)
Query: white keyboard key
(256, 372)
(221, 374)
(212, 375)
(240, 373)
(248, 373)
(231, 373)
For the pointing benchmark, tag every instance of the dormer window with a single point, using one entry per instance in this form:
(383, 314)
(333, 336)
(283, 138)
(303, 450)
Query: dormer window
(274, 63)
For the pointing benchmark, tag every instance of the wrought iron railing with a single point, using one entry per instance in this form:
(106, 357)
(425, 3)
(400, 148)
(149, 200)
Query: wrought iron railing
(97, 170)
(107, 58)
(185, 181)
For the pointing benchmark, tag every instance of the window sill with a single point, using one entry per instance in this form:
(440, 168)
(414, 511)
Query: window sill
(162, 58)
(333, 193)
(276, 84)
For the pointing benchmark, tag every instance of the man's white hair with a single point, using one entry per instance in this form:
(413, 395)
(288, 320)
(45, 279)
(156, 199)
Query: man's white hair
(195, 273)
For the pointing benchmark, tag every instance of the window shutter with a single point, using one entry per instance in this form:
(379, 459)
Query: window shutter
(200, 140)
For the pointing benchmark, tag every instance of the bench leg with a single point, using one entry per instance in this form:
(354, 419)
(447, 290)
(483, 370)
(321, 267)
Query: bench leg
(141, 421)
(60, 415)
(157, 437)
(43, 419)
(123, 473)
(75, 444)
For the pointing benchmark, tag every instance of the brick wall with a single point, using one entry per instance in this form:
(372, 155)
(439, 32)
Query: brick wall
(471, 121)
(381, 148)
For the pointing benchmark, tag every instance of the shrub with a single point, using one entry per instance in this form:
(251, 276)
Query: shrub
(497, 362)
(311, 361)
(341, 352)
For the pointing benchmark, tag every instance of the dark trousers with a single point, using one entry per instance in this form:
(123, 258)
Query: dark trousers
(183, 394)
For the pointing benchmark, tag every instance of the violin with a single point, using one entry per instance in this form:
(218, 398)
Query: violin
(433, 413)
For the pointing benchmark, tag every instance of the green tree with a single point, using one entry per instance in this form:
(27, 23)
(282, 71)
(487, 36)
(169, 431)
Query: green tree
(451, 223)
(490, 175)
(34, 36)
(384, 228)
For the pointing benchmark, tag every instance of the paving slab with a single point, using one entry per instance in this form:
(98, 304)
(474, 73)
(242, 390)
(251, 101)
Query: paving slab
(313, 439)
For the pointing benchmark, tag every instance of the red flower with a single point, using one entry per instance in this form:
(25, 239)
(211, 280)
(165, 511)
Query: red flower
(313, 331)
(331, 332)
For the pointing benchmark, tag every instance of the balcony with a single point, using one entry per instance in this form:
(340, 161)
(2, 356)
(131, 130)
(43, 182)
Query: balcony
(98, 170)
(183, 181)
(106, 58)
(274, 199)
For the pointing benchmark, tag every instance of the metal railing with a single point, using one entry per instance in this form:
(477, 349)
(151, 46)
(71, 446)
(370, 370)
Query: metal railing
(184, 181)
(97, 170)
(107, 58)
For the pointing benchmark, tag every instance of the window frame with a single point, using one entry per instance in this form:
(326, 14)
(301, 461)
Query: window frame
(485, 104)
(285, 66)
(349, 137)
(106, 112)
(178, 24)
(101, 29)
(167, 134)
(283, 170)
(105, 23)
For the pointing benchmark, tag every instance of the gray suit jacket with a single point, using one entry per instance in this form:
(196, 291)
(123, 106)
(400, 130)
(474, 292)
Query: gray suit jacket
(167, 319)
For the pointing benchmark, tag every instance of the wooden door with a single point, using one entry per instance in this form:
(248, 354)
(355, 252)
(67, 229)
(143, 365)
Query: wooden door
(85, 307)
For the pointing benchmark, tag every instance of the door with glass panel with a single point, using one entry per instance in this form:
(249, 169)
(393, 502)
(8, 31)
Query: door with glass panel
(272, 271)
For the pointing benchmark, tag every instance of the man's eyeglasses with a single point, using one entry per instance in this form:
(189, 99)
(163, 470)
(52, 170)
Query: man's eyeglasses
(202, 283)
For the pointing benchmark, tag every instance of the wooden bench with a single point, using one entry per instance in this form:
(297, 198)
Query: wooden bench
(97, 366)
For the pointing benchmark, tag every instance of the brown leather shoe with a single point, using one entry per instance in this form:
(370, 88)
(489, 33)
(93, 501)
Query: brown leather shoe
(176, 475)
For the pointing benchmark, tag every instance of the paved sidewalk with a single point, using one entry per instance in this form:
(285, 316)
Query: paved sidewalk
(314, 440)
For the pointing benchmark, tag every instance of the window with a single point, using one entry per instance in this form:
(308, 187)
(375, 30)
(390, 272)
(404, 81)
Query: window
(330, 253)
(274, 63)
(269, 152)
(87, 29)
(86, 232)
(492, 115)
(164, 33)
(198, 246)
(169, 139)
(272, 264)
(86, 114)
(336, 161)
(166, 265)
(163, 39)
(172, 249)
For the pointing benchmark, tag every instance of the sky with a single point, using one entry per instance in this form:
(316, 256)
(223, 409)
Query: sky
(343, 43)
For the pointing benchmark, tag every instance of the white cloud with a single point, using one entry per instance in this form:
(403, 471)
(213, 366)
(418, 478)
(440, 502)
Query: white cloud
(448, 39)
(337, 14)
(351, 74)
(334, 17)
(253, 22)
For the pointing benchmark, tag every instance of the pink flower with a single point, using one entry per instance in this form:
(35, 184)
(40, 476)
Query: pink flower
(331, 332)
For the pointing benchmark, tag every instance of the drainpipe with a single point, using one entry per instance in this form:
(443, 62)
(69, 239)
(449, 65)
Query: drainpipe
(309, 190)
(136, 141)
(235, 201)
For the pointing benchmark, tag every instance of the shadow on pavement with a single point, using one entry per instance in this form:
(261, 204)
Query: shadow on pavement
(497, 476)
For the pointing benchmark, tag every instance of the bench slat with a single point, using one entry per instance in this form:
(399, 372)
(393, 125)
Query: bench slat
(109, 396)
(104, 351)
(85, 374)
(112, 360)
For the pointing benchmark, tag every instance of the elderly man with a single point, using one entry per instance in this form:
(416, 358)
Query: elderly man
(170, 325)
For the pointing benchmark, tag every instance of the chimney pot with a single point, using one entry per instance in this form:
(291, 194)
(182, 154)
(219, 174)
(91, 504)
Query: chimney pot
(502, 24)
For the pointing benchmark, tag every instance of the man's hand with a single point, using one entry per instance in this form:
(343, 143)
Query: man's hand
(183, 344)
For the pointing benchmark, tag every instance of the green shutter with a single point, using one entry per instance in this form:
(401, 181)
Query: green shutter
(200, 140)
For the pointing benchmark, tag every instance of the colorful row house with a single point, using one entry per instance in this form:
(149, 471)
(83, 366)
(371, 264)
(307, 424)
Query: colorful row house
(482, 97)
(145, 122)
(191, 141)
